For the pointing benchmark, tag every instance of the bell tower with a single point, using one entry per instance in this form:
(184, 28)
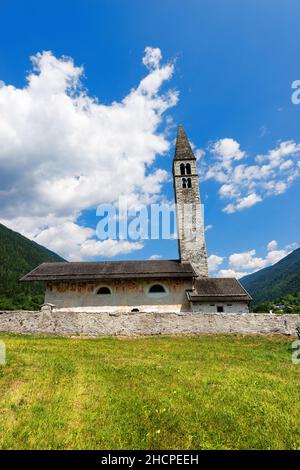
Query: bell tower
(189, 212)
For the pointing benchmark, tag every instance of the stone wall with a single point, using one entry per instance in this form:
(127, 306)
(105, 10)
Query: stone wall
(99, 324)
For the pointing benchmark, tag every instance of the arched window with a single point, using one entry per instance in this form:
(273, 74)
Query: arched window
(157, 289)
(189, 182)
(188, 169)
(182, 169)
(184, 183)
(104, 291)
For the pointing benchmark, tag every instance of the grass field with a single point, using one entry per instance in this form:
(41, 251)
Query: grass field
(205, 392)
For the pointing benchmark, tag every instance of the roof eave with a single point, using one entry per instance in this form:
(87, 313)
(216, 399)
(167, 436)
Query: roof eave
(81, 277)
(218, 298)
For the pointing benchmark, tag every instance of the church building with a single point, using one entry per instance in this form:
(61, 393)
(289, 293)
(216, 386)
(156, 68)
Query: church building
(166, 286)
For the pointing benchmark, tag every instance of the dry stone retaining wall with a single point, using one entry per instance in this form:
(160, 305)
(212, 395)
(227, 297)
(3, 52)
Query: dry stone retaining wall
(104, 324)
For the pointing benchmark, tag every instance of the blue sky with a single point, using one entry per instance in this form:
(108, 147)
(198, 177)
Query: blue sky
(234, 63)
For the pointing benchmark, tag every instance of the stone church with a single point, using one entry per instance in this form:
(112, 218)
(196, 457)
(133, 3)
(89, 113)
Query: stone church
(167, 286)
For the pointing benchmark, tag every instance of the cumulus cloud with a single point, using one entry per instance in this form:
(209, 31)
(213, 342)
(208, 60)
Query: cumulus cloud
(231, 273)
(63, 152)
(244, 202)
(243, 263)
(246, 260)
(213, 262)
(227, 150)
(276, 255)
(272, 245)
(249, 261)
(75, 242)
(199, 153)
(152, 57)
(107, 248)
(244, 185)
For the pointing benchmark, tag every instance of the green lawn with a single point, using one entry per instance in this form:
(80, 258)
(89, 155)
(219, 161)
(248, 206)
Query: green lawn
(205, 392)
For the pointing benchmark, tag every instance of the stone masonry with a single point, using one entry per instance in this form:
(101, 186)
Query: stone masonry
(140, 324)
(190, 223)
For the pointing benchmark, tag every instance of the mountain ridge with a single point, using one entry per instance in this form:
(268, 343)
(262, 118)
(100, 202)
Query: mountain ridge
(273, 282)
(18, 256)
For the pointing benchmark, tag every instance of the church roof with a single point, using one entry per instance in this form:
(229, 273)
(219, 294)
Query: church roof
(183, 149)
(110, 270)
(218, 289)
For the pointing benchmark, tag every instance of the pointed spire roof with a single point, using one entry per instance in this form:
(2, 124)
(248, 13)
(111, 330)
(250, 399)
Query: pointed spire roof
(183, 149)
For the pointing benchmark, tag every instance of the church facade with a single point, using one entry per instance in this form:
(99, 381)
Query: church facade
(174, 286)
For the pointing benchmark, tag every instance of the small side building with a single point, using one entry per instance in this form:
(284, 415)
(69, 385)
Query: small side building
(218, 295)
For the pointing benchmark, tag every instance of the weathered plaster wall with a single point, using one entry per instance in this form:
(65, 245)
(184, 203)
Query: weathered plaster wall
(97, 324)
(210, 307)
(126, 295)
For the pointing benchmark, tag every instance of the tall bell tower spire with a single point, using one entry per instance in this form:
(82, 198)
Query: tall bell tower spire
(190, 224)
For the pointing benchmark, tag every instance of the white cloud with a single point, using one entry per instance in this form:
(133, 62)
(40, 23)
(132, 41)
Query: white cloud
(231, 273)
(155, 257)
(74, 242)
(292, 246)
(241, 264)
(248, 201)
(244, 202)
(208, 227)
(152, 57)
(227, 150)
(275, 255)
(246, 185)
(249, 261)
(228, 191)
(246, 260)
(213, 262)
(65, 239)
(286, 165)
(107, 248)
(199, 153)
(230, 208)
(272, 245)
(63, 152)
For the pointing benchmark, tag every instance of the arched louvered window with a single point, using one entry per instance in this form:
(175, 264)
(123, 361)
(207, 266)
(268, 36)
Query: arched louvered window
(188, 169)
(184, 183)
(189, 182)
(182, 168)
